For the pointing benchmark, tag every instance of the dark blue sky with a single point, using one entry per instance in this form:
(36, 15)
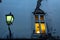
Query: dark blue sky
(24, 19)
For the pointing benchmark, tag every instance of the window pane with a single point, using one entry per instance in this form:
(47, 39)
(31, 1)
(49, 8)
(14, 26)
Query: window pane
(36, 17)
(43, 27)
(41, 17)
(37, 28)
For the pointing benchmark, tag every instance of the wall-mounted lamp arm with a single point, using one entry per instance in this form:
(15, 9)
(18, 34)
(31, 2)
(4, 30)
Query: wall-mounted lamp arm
(38, 4)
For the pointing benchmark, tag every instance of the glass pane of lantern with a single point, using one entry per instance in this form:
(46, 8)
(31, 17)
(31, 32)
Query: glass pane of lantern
(37, 28)
(12, 19)
(9, 18)
(36, 17)
(43, 27)
(41, 17)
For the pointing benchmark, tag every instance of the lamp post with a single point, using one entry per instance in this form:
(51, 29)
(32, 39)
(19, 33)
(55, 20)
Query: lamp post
(40, 25)
(9, 21)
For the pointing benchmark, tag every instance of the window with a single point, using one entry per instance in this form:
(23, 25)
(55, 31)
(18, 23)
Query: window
(37, 28)
(36, 17)
(42, 17)
(43, 27)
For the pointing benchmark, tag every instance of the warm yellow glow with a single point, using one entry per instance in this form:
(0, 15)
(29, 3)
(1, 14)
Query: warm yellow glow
(9, 18)
(12, 19)
(43, 27)
(38, 32)
(36, 17)
(37, 28)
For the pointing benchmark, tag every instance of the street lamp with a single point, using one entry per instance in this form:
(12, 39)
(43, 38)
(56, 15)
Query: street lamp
(9, 21)
(39, 16)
